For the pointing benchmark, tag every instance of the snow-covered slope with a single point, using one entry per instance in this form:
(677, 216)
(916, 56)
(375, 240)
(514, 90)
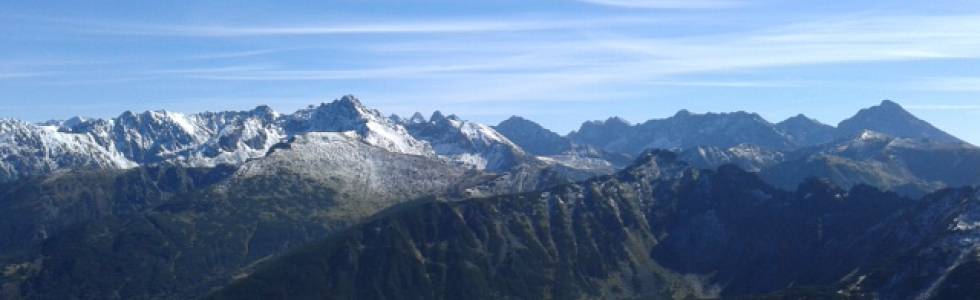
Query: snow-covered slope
(475, 145)
(588, 158)
(355, 167)
(236, 137)
(348, 114)
(203, 139)
(751, 158)
(31, 150)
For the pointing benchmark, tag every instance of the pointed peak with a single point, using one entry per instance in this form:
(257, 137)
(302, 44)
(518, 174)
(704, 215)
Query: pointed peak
(453, 117)
(888, 111)
(417, 118)
(518, 121)
(886, 107)
(437, 116)
(516, 118)
(127, 115)
(347, 102)
(891, 119)
(347, 105)
(800, 119)
(350, 99)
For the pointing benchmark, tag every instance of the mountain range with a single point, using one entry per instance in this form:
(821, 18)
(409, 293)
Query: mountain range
(656, 230)
(338, 200)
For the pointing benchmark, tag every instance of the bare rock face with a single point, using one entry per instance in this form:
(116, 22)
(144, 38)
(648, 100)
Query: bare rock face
(682, 131)
(533, 138)
(804, 131)
(891, 119)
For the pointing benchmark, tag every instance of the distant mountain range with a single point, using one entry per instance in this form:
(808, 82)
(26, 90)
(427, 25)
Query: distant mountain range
(338, 200)
(686, 130)
(885, 146)
(598, 147)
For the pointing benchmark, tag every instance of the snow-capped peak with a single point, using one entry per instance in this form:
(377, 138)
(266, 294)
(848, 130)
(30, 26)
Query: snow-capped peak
(30, 150)
(348, 114)
(234, 137)
(472, 144)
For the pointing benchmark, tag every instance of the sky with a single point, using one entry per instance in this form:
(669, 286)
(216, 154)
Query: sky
(559, 63)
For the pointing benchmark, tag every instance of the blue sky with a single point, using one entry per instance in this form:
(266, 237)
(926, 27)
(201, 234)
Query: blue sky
(557, 62)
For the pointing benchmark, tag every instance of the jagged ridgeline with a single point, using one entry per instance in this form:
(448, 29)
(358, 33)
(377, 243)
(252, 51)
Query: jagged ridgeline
(177, 232)
(884, 145)
(657, 230)
(339, 201)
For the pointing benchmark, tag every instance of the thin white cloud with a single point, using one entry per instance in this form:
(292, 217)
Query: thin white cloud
(526, 66)
(214, 70)
(667, 4)
(238, 54)
(730, 83)
(505, 24)
(580, 57)
(504, 66)
(624, 58)
(392, 28)
(868, 40)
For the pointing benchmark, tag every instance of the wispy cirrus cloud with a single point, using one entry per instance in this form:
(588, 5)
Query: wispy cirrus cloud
(239, 54)
(564, 66)
(424, 68)
(511, 56)
(667, 4)
(858, 39)
(330, 29)
(375, 27)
